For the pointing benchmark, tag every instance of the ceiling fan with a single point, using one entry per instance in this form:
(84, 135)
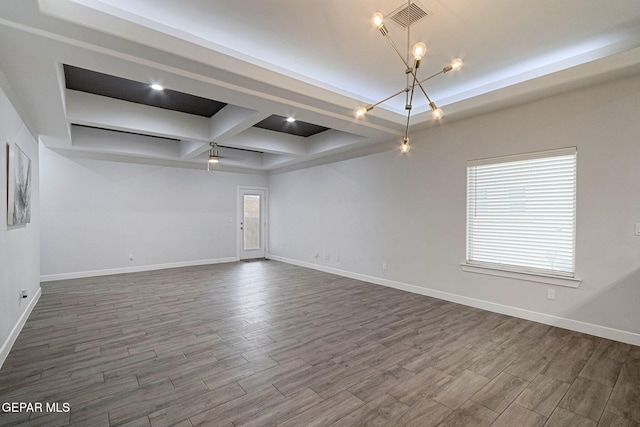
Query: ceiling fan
(214, 157)
(234, 154)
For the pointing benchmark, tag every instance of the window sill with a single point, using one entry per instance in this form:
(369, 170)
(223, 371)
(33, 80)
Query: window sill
(530, 277)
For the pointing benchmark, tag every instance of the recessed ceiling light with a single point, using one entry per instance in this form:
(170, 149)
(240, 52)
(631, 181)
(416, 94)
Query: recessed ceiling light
(291, 119)
(156, 86)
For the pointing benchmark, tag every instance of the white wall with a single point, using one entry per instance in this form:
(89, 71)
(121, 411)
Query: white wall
(19, 246)
(409, 211)
(95, 214)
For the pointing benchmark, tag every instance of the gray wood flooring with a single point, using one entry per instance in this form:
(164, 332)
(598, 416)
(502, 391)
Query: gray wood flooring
(266, 343)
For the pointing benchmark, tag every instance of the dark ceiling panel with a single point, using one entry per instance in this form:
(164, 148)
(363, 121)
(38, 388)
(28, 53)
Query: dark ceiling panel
(280, 124)
(140, 93)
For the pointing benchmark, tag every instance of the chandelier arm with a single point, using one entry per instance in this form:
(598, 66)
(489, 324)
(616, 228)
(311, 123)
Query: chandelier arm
(388, 98)
(430, 77)
(410, 103)
(424, 91)
(413, 88)
(407, 101)
(406, 129)
(419, 83)
(406, 64)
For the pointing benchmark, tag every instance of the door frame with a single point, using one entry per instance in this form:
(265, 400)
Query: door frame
(264, 211)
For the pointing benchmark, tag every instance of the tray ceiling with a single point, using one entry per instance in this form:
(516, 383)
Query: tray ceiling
(79, 72)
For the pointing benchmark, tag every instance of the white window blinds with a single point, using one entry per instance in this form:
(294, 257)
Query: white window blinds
(521, 212)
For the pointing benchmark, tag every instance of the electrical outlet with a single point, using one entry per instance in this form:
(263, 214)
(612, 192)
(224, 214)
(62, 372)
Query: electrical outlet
(337, 258)
(384, 266)
(637, 228)
(327, 257)
(131, 257)
(551, 294)
(24, 293)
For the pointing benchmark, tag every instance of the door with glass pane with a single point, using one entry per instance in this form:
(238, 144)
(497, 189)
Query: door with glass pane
(252, 222)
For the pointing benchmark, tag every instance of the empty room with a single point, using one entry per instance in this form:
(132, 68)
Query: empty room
(320, 213)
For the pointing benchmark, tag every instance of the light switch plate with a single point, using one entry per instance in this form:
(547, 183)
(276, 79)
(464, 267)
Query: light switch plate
(551, 294)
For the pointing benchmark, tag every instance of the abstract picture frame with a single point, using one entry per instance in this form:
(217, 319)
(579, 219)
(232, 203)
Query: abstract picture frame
(18, 186)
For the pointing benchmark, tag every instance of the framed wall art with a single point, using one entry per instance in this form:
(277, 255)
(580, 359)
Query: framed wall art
(18, 186)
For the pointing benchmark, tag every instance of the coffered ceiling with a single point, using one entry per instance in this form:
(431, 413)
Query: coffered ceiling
(233, 71)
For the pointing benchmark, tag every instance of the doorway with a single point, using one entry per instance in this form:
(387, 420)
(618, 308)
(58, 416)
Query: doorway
(252, 220)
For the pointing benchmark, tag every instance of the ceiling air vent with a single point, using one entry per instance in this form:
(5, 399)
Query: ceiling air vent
(414, 12)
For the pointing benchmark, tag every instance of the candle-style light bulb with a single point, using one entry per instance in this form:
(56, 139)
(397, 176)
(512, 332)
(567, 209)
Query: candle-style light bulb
(360, 112)
(419, 49)
(405, 147)
(377, 20)
(456, 64)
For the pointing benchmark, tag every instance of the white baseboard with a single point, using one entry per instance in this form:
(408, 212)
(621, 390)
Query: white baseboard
(136, 269)
(11, 339)
(561, 322)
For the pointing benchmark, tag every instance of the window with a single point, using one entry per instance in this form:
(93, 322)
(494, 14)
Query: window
(251, 222)
(521, 213)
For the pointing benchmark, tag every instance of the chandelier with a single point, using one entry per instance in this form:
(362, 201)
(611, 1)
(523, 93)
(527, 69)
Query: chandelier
(418, 51)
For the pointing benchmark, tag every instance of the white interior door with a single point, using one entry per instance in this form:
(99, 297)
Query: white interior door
(252, 235)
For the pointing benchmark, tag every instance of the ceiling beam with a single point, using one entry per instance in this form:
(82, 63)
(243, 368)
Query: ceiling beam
(268, 141)
(226, 123)
(98, 111)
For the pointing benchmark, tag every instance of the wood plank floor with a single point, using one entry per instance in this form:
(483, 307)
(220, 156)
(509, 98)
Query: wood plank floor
(266, 343)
